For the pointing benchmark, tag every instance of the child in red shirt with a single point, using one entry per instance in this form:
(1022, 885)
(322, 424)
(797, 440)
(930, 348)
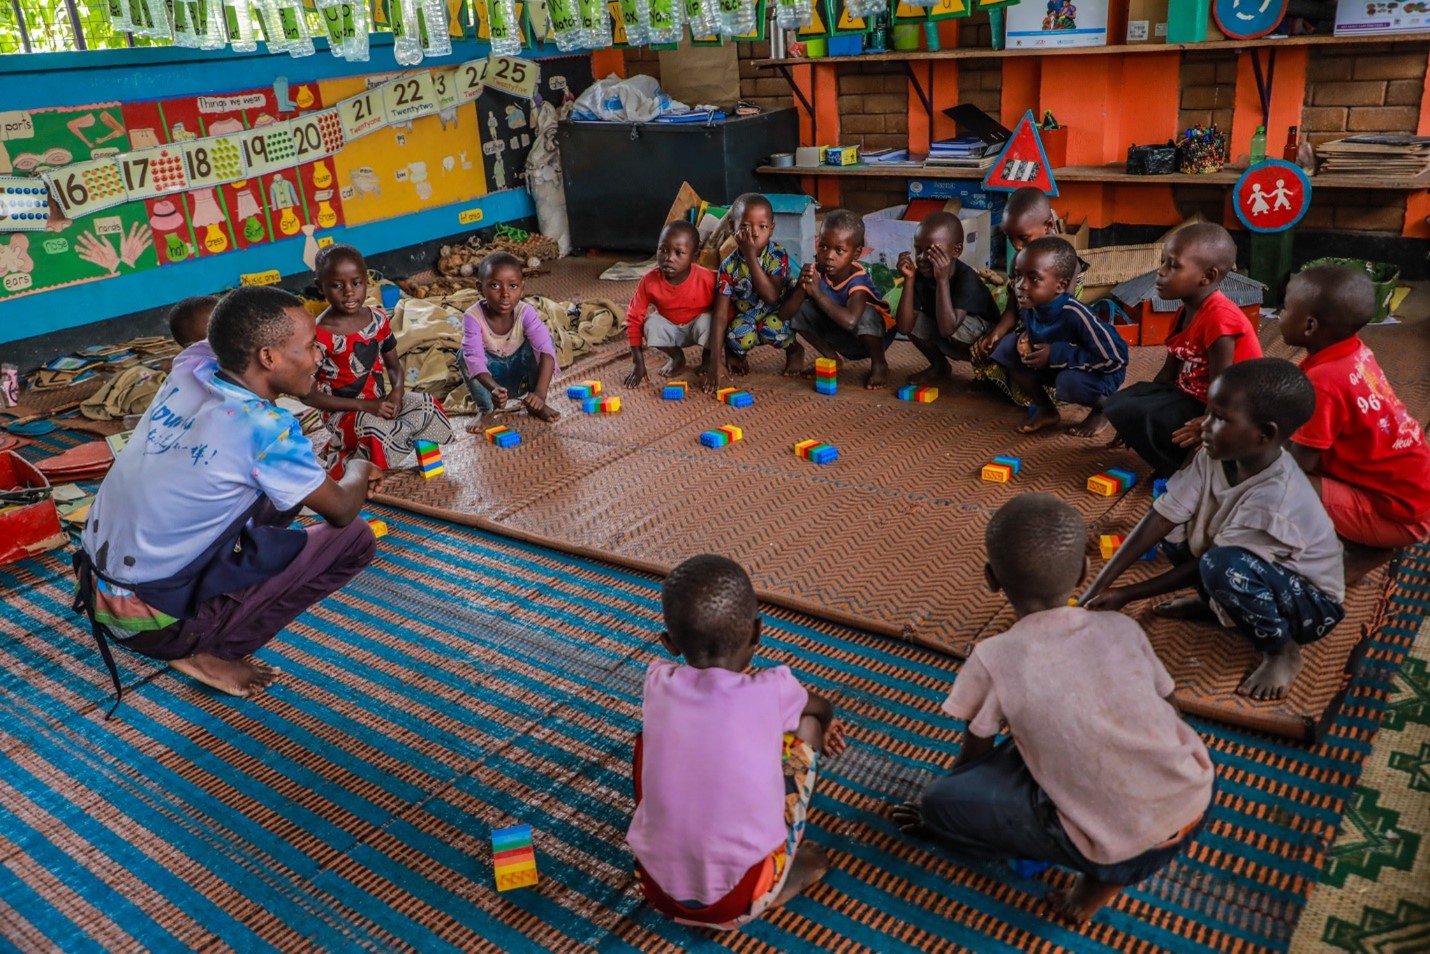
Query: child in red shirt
(1155, 418)
(1364, 453)
(672, 305)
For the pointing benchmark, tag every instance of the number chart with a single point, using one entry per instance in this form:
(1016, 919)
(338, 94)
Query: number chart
(151, 172)
(213, 161)
(316, 135)
(24, 204)
(86, 187)
(409, 97)
(362, 114)
(268, 149)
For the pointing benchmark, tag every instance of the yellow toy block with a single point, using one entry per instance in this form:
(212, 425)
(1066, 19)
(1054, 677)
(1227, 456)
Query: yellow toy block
(734, 432)
(997, 473)
(595, 386)
(825, 366)
(1108, 544)
(379, 527)
(1104, 485)
(803, 448)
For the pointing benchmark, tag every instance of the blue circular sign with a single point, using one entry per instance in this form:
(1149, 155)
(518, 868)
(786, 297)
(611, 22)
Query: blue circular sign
(1248, 19)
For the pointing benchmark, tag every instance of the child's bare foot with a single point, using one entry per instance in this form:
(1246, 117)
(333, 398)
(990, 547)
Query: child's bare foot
(545, 413)
(909, 816)
(1088, 426)
(1274, 676)
(1184, 607)
(809, 865)
(1080, 902)
(674, 366)
(878, 376)
(737, 364)
(933, 374)
(481, 422)
(237, 677)
(794, 361)
(1040, 419)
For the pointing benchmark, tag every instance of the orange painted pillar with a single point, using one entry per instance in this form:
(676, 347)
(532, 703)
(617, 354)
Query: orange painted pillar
(1020, 88)
(1417, 204)
(824, 96)
(1288, 91)
(606, 62)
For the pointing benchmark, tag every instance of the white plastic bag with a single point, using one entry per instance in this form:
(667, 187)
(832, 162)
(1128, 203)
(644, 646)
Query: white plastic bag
(638, 99)
(544, 180)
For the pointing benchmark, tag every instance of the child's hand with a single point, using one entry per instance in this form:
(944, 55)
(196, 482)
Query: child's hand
(637, 375)
(941, 261)
(808, 276)
(907, 266)
(373, 406)
(1109, 601)
(834, 743)
(1189, 434)
(390, 408)
(1039, 356)
(532, 402)
(745, 242)
(984, 346)
(499, 396)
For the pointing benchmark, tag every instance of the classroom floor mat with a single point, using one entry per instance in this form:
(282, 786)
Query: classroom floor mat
(467, 682)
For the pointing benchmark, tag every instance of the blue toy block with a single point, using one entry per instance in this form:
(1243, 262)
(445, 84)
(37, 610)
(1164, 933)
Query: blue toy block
(578, 392)
(1126, 476)
(1028, 869)
(1014, 462)
(714, 439)
(740, 400)
(507, 439)
(591, 405)
(671, 393)
(824, 454)
(823, 388)
(1159, 487)
(906, 393)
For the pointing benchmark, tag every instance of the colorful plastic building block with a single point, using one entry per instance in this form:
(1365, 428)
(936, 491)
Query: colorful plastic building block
(1002, 469)
(826, 375)
(1111, 482)
(379, 527)
(429, 458)
(674, 391)
(584, 390)
(922, 395)
(817, 451)
(502, 436)
(605, 405)
(735, 397)
(722, 436)
(1159, 487)
(1110, 543)
(513, 858)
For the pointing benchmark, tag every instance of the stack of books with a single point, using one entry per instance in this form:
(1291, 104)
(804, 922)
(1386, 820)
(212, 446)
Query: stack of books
(1382, 154)
(966, 152)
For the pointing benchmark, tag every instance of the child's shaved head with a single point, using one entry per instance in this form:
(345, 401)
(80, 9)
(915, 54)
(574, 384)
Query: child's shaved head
(942, 223)
(1057, 252)
(1027, 203)
(842, 220)
(1035, 548)
(748, 201)
(709, 606)
(189, 319)
(1342, 299)
(1273, 391)
(1209, 244)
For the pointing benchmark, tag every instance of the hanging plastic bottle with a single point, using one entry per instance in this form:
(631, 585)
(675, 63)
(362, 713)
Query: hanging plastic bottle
(238, 21)
(337, 16)
(737, 17)
(436, 40)
(794, 14)
(406, 37)
(565, 21)
(293, 21)
(186, 27)
(695, 18)
(503, 26)
(667, 17)
(595, 24)
(859, 9)
(635, 20)
(119, 17)
(210, 23)
(151, 19)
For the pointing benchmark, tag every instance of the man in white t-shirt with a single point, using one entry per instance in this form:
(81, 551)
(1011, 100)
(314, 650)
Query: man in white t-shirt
(187, 555)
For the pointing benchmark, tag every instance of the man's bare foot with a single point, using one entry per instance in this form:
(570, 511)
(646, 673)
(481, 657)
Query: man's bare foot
(878, 376)
(1184, 607)
(933, 374)
(1088, 426)
(1040, 419)
(737, 364)
(1274, 676)
(809, 865)
(545, 413)
(1079, 903)
(1360, 560)
(794, 361)
(909, 816)
(674, 366)
(237, 677)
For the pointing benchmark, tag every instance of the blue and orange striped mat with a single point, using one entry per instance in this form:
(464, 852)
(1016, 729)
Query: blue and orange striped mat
(466, 682)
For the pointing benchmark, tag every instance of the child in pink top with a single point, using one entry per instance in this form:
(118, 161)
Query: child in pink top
(671, 308)
(725, 766)
(1154, 417)
(1100, 775)
(505, 345)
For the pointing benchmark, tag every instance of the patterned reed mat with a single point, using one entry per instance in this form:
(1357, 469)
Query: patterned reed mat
(889, 538)
(467, 681)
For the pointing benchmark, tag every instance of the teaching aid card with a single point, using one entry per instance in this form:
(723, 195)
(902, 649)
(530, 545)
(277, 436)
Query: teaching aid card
(24, 204)
(409, 97)
(153, 172)
(268, 149)
(86, 187)
(513, 76)
(471, 80)
(362, 114)
(316, 135)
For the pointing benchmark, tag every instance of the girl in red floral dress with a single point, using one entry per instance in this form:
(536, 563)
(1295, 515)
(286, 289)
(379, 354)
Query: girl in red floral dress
(366, 416)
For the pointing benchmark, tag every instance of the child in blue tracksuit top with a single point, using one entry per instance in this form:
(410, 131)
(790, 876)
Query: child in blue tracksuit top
(1063, 346)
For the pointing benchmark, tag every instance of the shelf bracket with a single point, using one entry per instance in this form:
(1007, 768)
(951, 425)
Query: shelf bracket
(925, 95)
(1265, 78)
(798, 93)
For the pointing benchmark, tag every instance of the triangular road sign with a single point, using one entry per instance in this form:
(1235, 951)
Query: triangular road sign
(1023, 162)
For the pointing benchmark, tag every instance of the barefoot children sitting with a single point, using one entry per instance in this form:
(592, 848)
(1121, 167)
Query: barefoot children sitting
(1099, 774)
(1246, 528)
(945, 307)
(752, 283)
(505, 344)
(1159, 419)
(1063, 345)
(670, 310)
(367, 416)
(726, 762)
(1365, 454)
(835, 306)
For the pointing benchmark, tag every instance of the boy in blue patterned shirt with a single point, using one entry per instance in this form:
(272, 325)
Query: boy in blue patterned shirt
(752, 283)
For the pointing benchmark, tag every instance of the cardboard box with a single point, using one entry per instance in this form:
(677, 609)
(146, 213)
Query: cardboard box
(841, 155)
(27, 529)
(969, 192)
(887, 234)
(1147, 21)
(795, 227)
(1367, 17)
(1032, 26)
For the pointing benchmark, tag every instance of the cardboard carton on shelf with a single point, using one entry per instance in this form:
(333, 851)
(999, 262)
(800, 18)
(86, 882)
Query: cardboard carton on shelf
(1146, 21)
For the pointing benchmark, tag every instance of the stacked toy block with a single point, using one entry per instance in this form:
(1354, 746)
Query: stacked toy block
(429, 458)
(584, 390)
(513, 857)
(1111, 482)
(1159, 487)
(722, 436)
(598, 405)
(1002, 469)
(826, 375)
(817, 451)
(1110, 543)
(735, 397)
(379, 527)
(674, 391)
(502, 436)
(922, 395)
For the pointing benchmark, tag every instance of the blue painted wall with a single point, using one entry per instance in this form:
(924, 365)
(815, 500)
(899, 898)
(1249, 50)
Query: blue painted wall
(42, 80)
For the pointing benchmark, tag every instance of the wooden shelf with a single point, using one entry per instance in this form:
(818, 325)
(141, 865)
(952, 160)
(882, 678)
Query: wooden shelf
(1112, 174)
(984, 53)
